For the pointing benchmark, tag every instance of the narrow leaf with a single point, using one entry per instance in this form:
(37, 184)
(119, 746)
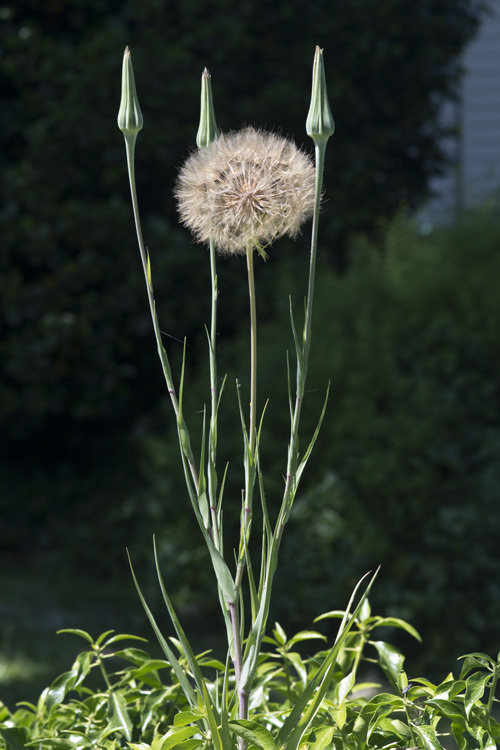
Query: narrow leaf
(179, 672)
(119, 718)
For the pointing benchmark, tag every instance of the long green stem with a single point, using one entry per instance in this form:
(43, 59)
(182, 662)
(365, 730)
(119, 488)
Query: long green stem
(319, 150)
(493, 687)
(250, 466)
(252, 433)
(130, 148)
(214, 399)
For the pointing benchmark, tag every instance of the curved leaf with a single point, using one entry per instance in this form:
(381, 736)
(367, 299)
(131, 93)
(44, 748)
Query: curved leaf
(253, 733)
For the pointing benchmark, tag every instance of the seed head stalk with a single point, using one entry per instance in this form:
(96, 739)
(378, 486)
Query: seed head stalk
(252, 433)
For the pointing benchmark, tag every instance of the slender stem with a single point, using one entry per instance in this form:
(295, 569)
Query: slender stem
(493, 687)
(238, 665)
(250, 466)
(319, 150)
(103, 670)
(252, 434)
(130, 149)
(214, 399)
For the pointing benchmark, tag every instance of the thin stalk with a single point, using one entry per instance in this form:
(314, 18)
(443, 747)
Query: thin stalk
(103, 671)
(238, 665)
(252, 431)
(319, 152)
(493, 687)
(252, 434)
(130, 149)
(214, 399)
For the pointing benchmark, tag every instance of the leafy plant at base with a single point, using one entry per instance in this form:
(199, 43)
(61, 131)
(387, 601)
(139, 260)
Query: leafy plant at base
(140, 703)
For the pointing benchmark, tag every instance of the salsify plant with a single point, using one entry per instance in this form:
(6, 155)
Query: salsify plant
(237, 194)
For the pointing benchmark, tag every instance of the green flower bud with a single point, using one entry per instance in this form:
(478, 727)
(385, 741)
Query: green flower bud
(129, 115)
(319, 124)
(207, 131)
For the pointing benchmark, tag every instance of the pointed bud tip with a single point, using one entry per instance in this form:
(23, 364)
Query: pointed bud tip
(207, 130)
(320, 124)
(129, 116)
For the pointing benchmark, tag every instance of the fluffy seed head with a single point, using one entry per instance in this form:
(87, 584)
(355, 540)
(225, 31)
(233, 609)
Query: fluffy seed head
(245, 190)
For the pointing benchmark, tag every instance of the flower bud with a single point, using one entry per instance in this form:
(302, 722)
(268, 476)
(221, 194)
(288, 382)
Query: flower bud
(207, 131)
(319, 124)
(129, 115)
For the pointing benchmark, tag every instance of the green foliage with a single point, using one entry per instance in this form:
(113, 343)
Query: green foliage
(140, 705)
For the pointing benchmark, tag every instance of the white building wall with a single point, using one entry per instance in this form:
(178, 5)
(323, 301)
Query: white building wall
(475, 155)
(480, 123)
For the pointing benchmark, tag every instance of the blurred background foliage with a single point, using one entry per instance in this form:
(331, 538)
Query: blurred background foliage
(406, 471)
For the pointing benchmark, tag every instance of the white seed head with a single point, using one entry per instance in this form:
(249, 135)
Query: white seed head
(245, 190)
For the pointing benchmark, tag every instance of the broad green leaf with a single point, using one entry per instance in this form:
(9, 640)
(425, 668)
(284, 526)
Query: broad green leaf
(175, 736)
(118, 714)
(298, 665)
(396, 622)
(279, 634)
(427, 737)
(474, 689)
(458, 734)
(306, 635)
(494, 728)
(383, 699)
(149, 666)
(188, 717)
(449, 709)
(449, 689)
(391, 660)
(15, 738)
(339, 715)
(190, 744)
(320, 738)
(337, 614)
(253, 733)
(123, 637)
(58, 689)
(401, 729)
(103, 637)
(82, 633)
(343, 688)
(376, 719)
(471, 662)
